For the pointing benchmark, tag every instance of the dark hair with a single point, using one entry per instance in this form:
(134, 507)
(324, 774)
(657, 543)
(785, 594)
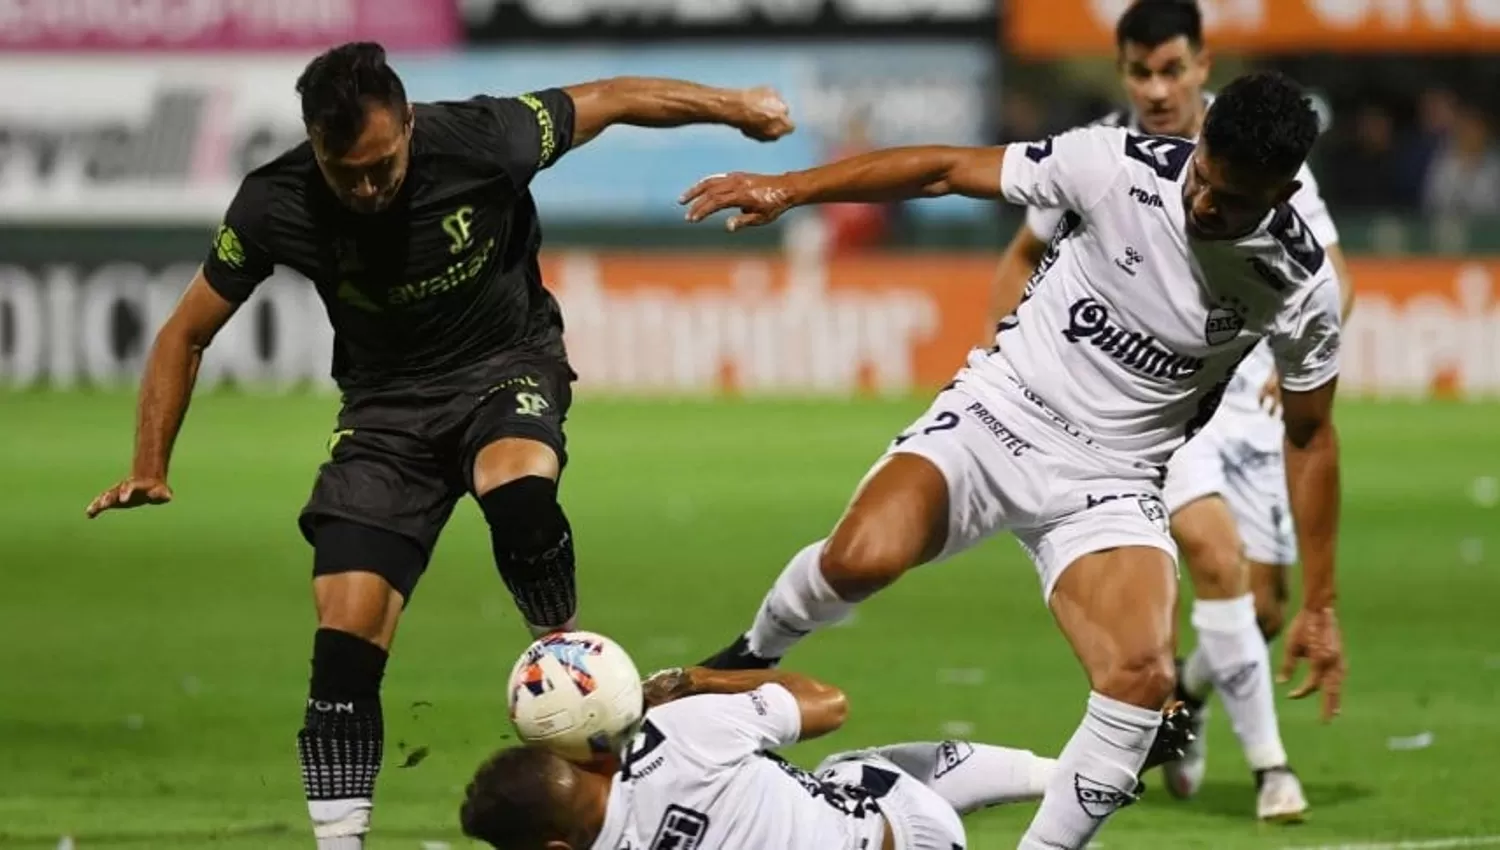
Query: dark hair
(517, 799)
(337, 86)
(1262, 122)
(1154, 22)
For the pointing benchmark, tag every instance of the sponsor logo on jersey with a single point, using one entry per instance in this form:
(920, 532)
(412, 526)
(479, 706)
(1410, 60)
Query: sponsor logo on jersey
(1146, 199)
(680, 829)
(1089, 322)
(1131, 259)
(1013, 442)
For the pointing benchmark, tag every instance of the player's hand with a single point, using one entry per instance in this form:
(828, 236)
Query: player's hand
(1270, 395)
(765, 117)
(760, 198)
(665, 686)
(131, 493)
(1314, 636)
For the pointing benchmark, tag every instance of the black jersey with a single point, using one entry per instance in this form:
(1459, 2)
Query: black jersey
(446, 276)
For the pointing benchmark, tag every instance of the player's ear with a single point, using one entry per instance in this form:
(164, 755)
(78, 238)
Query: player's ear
(1205, 61)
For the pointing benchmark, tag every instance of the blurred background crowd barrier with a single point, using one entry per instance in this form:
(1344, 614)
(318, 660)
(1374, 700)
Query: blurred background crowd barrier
(126, 125)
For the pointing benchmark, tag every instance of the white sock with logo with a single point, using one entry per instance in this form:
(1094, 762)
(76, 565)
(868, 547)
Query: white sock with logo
(974, 776)
(800, 603)
(1234, 649)
(1095, 775)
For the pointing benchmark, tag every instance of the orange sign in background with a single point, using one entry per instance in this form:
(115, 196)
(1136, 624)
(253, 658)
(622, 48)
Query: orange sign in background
(761, 324)
(1049, 28)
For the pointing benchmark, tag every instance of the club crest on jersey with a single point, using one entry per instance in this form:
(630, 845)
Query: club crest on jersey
(1089, 321)
(1222, 326)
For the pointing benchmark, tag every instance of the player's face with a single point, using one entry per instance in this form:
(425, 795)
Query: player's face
(1223, 203)
(1165, 85)
(367, 177)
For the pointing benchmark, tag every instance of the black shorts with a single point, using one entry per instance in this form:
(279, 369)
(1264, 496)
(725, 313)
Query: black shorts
(400, 460)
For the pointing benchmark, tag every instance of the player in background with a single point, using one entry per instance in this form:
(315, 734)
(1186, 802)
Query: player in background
(1174, 260)
(701, 774)
(416, 224)
(1226, 490)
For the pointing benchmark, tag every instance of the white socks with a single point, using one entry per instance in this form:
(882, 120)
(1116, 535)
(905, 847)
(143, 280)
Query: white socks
(974, 776)
(1095, 775)
(340, 824)
(1233, 657)
(800, 603)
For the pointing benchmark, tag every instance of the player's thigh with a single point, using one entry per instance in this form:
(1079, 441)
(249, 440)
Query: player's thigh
(387, 483)
(516, 427)
(1116, 608)
(944, 484)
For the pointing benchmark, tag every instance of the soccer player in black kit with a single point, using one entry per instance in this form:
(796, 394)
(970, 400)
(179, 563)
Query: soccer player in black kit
(416, 225)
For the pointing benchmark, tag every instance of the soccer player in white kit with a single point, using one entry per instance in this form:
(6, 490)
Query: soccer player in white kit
(702, 775)
(1225, 493)
(1173, 261)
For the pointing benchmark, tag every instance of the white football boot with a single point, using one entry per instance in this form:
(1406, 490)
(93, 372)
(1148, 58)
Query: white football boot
(1279, 796)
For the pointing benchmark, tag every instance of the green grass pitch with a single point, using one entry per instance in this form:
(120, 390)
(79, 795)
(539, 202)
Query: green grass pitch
(153, 664)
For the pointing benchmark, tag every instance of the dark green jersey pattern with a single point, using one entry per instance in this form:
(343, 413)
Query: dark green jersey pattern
(443, 280)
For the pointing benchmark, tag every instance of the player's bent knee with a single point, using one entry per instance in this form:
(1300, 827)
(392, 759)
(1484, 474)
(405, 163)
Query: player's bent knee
(511, 459)
(533, 548)
(1145, 678)
(859, 562)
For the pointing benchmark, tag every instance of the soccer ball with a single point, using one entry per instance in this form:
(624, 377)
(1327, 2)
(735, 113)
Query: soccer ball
(577, 694)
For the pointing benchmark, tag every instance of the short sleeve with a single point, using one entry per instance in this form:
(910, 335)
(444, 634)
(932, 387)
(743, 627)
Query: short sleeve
(529, 132)
(1042, 222)
(239, 258)
(1306, 337)
(726, 728)
(1071, 171)
(1308, 201)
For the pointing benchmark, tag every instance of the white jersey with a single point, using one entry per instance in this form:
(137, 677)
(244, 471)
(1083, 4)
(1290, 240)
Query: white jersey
(1243, 393)
(699, 776)
(1130, 329)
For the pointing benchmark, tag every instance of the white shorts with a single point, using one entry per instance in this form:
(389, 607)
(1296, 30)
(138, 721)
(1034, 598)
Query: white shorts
(918, 817)
(1005, 473)
(1238, 461)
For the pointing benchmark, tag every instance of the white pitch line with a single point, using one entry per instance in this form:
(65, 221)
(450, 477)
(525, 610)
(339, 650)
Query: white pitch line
(1427, 844)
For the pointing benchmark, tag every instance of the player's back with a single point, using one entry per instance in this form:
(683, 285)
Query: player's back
(699, 777)
(1130, 328)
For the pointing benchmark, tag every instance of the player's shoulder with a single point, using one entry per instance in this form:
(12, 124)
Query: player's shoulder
(1292, 237)
(1287, 255)
(462, 135)
(280, 185)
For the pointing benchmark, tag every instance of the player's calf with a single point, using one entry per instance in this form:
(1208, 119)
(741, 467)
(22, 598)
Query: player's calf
(1115, 607)
(533, 548)
(898, 519)
(1268, 582)
(341, 743)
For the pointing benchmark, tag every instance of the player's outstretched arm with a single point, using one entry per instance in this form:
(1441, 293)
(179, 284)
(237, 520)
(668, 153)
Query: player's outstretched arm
(895, 174)
(759, 113)
(1312, 469)
(823, 707)
(166, 387)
